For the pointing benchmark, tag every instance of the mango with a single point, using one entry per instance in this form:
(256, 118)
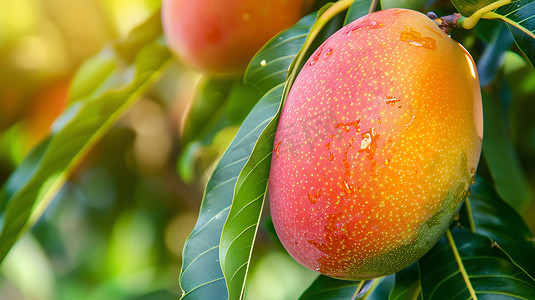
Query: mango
(220, 37)
(376, 146)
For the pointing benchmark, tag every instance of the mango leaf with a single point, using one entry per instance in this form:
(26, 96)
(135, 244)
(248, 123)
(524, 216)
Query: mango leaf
(94, 108)
(525, 42)
(519, 17)
(330, 288)
(219, 103)
(380, 288)
(269, 67)
(202, 121)
(498, 220)
(466, 265)
(358, 9)
(94, 77)
(502, 159)
(210, 96)
(240, 101)
(112, 67)
(469, 7)
(407, 285)
(201, 276)
(239, 232)
(493, 56)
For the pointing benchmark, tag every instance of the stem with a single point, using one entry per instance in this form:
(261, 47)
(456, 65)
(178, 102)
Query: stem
(359, 288)
(460, 264)
(471, 21)
(447, 23)
(367, 293)
(470, 216)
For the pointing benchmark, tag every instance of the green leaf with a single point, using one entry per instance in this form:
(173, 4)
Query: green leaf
(407, 285)
(210, 96)
(467, 265)
(219, 103)
(241, 100)
(269, 67)
(201, 276)
(519, 17)
(469, 7)
(379, 289)
(493, 56)
(358, 9)
(137, 39)
(111, 68)
(525, 42)
(330, 288)
(501, 157)
(239, 231)
(96, 76)
(498, 220)
(91, 114)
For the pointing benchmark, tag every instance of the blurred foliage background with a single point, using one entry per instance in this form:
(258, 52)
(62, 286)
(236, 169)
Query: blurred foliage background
(117, 228)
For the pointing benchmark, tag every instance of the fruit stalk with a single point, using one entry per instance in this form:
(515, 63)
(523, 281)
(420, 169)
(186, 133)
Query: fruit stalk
(446, 23)
(459, 261)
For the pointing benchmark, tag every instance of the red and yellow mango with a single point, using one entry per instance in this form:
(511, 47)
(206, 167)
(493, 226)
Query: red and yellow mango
(376, 147)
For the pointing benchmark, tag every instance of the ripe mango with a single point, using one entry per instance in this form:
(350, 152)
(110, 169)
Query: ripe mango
(221, 36)
(376, 146)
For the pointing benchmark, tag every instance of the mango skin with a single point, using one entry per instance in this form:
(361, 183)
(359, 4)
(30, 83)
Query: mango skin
(221, 36)
(376, 146)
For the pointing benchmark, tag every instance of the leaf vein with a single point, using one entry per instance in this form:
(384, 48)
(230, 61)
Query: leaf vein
(201, 285)
(200, 254)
